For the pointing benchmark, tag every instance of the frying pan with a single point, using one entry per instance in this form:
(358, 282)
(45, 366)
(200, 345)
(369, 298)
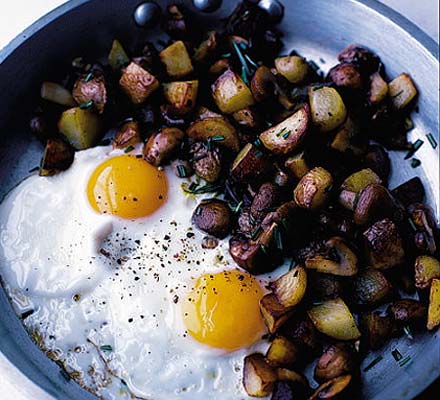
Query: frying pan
(316, 29)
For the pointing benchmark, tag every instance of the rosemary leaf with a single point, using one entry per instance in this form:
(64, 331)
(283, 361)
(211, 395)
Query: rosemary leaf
(373, 363)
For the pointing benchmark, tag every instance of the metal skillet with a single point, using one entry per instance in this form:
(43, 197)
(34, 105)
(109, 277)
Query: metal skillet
(317, 30)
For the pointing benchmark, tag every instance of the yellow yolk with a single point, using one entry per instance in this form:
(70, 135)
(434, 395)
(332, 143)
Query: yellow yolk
(127, 186)
(223, 310)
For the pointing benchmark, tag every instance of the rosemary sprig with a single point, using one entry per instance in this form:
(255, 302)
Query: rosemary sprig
(414, 147)
(193, 188)
(405, 361)
(257, 233)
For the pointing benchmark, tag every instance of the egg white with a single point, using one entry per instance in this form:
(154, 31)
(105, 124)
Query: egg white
(106, 292)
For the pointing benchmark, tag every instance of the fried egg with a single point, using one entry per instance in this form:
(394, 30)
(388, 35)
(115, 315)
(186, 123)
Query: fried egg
(114, 282)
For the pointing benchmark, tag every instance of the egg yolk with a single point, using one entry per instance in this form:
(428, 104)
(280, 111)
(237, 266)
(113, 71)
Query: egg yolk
(128, 187)
(222, 310)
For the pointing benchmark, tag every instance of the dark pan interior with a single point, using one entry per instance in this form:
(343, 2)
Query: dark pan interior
(87, 27)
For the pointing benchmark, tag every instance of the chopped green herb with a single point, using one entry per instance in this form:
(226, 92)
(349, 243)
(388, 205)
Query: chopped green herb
(321, 60)
(292, 264)
(217, 138)
(413, 226)
(237, 208)
(106, 347)
(88, 77)
(397, 94)
(86, 105)
(104, 142)
(415, 162)
(226, 55)
(408, 332)
(34, 169)
(256, 233)
(314, 66)
(317, 87)
(257, 143)
(244, 76)
(396, 354)
(286, 135)
(263, 248)
(280, 132)
(431, 140)
(373, 363)
(278, 238)
(250, 61)
(405, 361)
(181, 171)
(193, 188)
(251, 219)
(128, 149)
(414, 147)
(198, 211)
(317, 303)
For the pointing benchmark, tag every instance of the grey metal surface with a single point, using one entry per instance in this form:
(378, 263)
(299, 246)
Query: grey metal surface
(315, 28)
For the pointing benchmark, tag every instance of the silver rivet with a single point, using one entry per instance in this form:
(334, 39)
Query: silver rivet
(207, 5)
(147, 14)
(274, 8)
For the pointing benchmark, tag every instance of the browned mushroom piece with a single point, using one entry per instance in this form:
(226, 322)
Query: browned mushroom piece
(332, 389)
(384, 245)
(246, 222)
(324, 286)
(378, 161)
(127, 135)
(424, 221)
(282, 352)
(206, 49)
(258, 376)
(213, 216)
(58, 156)
(346, 76)
(174, 22)
(206, 161)
(247, 117)
(302, 332)
(266, 198)
(376, 330)
(263, 84)
(338, 359)
(370, 288)
(366, 60)
(162, 145)
(274, 313)
(408, 311)
(219, 67)
(250, 164)
(374, 202)
(92, 89)
(409, 192)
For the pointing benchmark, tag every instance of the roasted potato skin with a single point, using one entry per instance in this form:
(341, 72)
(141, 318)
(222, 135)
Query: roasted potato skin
(206, 162)
(263, 84)
(93, 89)
(407, 311)
(346, 76)
(312, 190)
(176, 60)
(290, 288)
(378, 89)
(251, 164)
(213, 216)
(384, 245)
(374, 202)
(258, 377)
(161, 145)
(434, 305)
(367, 61)
(274, 313)
(304, 334)
(249, 255)
(402, 91)
(423, 218)
(57, 156)
(138, 83)
(282, 352)
(127, 135)
(371, 288)
(297, 165)
(181, 95)
(268, 196)
(376, 330)
(338, 359)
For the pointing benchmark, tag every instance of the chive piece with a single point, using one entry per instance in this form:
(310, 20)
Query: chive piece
(263, 248)
(413, 226)
(251, 219)
(256, 233)
(243, 45)
(408, 124)
(408, 332)
(193, 188)
(396, 354)
(34, 169)
(317, 303)
(292, 264)
(278, 239)
(314, 66)
(244, 76)
(280, 132)
(217, 138)
(415, 162)
(86, 105)
(285, 224)
(258, 154)
(106, 347)
(88, 77)
(237, 208)
(321, 60)
(226, 55)
(414, 147)
(128, 149)
(431, 140)
(286, 135)
(397, 94)
(104, 142)
(250, 61)
(181, 171)
(317, 87)
(405, 361)
(257, 143)
(198, 211)
(373, 363)
(26, 314)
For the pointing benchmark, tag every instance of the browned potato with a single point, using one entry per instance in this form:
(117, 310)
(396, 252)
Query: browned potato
(206, 162)
(266, 198)
(327, 108)
(250, 164)
(332, 388)
(293, 68)
(127, 135)
(346, 263)
(230, 93)
(213, 216)
(384, 245)
(367, 61)
(161, 146)
(434, 305)
(423, 218)
(176, 60)
(376, 330)
(274, 314)
(219, 67)
(263, 84)
(205, 113)
(409, 192)
(370, 288)
(374, 202)
(117, 57)
(247, 118)
(248, 255)
(312, 190)
(181, 95)
(57, 94)
(218, 128)
(293, 377)
(334, 319)
(345, 76)
(347, 138)
(406, 311)
(58, 156)
(354, 184)
(285, 137)
(297, 165)
(282, 352)
(81, 128)
(426, 269)
(401, 91)
(337, 360)
(290, 288)
(138, 83)
(378, 89)
(258, 377)
(92, 89)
